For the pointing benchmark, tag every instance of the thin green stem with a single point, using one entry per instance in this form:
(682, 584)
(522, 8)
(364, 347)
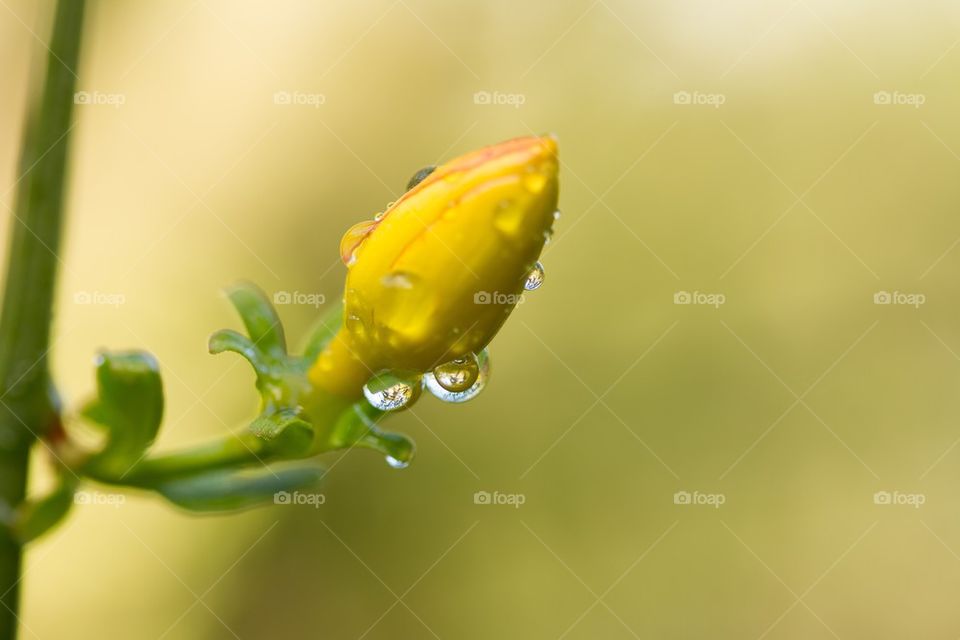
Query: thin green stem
(27, 400)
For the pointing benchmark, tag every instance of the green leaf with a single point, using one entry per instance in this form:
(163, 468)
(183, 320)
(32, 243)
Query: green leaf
(230, 340)
(35, 517)
(228, 490)
(129, 404)
(260, 319)
(287, 433)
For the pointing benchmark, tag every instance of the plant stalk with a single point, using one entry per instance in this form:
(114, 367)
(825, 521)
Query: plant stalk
(27, 399)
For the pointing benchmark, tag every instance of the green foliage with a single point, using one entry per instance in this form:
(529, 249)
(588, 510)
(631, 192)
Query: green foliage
(129, 406)
(238, 471)
(227, 490)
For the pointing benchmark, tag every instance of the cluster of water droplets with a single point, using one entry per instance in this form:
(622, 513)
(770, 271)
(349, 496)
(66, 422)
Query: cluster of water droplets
(458, 380)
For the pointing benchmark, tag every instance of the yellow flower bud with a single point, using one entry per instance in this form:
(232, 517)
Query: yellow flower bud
(434, 277)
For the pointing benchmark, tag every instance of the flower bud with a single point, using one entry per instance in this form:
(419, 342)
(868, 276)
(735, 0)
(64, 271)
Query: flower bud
(434, 277)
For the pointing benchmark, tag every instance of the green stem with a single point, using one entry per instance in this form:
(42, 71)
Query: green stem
(223, 453)
(27, 403)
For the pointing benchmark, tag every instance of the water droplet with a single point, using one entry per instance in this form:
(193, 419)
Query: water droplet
(420, 176)
(391, 391)
(459, 374)
(508, 217)
(398, 280)
(352, 240)
(534, 278)
(535, 182)
(397, 464)
(378, 217)
(556, 214)
(483, 374)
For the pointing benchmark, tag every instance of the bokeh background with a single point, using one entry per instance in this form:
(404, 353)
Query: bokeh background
(792, 160)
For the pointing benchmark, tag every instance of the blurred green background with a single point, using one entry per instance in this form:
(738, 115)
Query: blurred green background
(797, 158)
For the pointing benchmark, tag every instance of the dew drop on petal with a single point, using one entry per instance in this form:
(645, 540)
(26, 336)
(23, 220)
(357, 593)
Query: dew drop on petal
(535, 182)
(483, 374)
(391, 391)
(459, 374)
(508, 217)
(534, 278)
(398, 280)
(353, 238)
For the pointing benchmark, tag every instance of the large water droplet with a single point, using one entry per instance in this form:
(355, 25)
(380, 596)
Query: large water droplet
(398, 280)
(508, 217)
(535, 182)
(483, 374)
(397, 464)
(534, 278)
(390, 391)
(352, 240)
(459, 374)
(420, 176)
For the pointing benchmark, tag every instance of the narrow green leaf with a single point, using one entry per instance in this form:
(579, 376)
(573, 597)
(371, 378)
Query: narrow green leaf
(230, 340)
(260, 319)
(228, 490)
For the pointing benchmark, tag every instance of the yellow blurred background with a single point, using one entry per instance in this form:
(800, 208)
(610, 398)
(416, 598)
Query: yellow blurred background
(775, 459)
